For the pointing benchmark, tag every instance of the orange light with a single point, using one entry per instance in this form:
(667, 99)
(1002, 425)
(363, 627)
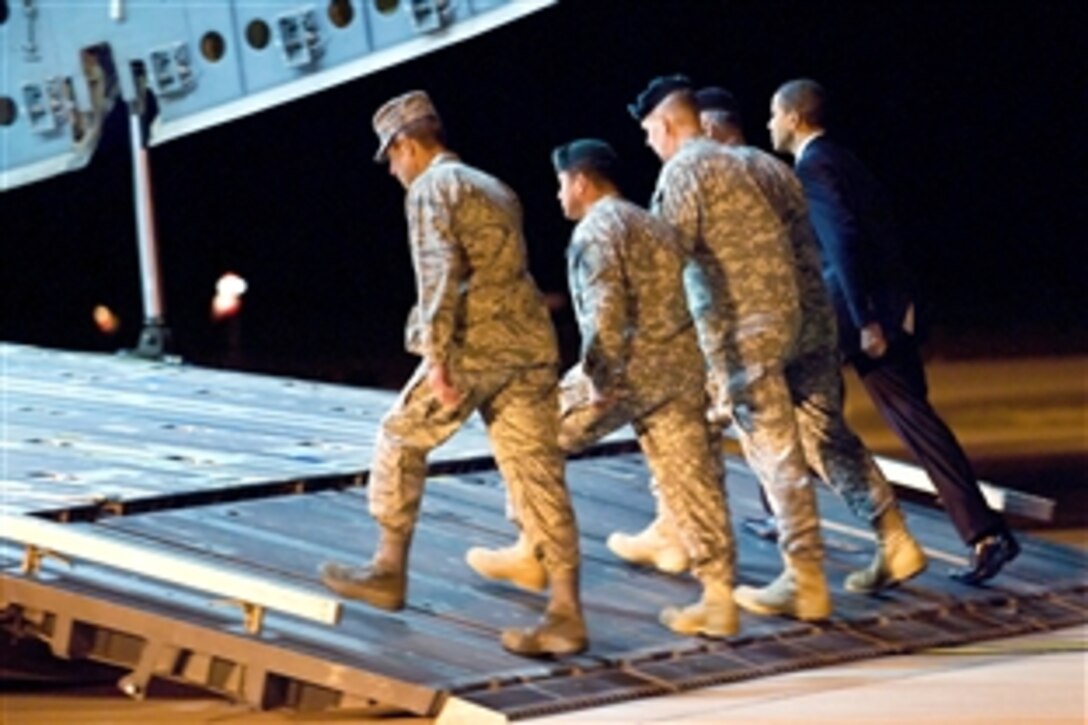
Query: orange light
(228, 296)
(231, 285)
(104, 319)
(224, 306)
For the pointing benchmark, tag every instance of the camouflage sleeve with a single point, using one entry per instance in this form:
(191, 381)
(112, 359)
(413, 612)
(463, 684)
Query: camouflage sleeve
(603, 317)
(439, 269)
(676, 201)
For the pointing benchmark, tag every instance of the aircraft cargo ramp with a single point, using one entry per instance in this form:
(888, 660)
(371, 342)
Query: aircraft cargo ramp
(169, 521)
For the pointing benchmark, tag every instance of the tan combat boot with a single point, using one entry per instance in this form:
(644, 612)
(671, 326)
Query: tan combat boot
(562, 629)
(800, 591)
(898, 557)
(658, 545)
(516, 564)
(382, 583)
(714, 615)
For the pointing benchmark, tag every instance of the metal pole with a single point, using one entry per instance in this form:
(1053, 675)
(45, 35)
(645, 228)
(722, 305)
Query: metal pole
(155, 336)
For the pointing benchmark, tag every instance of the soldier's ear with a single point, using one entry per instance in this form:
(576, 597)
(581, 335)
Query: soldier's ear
(578, 182)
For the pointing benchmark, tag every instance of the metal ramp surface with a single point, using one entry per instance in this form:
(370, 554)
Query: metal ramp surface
(242, 504)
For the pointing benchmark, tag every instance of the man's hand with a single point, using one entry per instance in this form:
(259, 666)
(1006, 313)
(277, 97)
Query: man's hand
(600, 400)
(438, 376)
(873, 343)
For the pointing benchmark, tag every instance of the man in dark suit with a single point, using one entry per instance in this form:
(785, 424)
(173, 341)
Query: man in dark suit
(873, 295)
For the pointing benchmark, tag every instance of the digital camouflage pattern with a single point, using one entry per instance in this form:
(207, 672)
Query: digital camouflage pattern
(784, 192)
(480, 313)
(624, 271)
(396, 114)
(478, 308)
(814, 375)
(742, 285)
(641, 364)
(742, 289)
(746, 224)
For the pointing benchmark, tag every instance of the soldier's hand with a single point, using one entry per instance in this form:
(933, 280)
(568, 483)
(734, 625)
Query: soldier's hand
(438, 377)
(873, 343)
(600, 399)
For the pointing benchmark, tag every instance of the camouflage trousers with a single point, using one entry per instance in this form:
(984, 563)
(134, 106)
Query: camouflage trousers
(790, 420)
(519, 409)
(672, 433)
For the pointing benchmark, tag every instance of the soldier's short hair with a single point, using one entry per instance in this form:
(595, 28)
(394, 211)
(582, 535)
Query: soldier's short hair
(592, 157)
(806, 98)
(657, 91)
(719, 105)
(722, 118)
(683, 99)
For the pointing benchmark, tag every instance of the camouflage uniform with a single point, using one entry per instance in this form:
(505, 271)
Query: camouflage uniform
(743, 292)
(814, 375)
(480, 313)
(640, 363)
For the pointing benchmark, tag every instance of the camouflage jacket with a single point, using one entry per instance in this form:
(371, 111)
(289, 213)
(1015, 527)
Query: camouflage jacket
(741, 282)
(783, 190)
(478, 307)
(625, 274)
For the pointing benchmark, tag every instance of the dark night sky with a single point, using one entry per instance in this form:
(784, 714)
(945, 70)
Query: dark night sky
(970, 112)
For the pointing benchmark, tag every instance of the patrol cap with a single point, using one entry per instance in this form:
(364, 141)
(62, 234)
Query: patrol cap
(713, 98)
(586, 153)
(396, 114)
(659, 88)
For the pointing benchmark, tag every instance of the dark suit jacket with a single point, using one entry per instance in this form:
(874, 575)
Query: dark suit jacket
(863, 265)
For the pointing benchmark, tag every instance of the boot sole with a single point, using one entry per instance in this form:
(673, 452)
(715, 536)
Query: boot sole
(672, 619)
(546, 646)
(754, 607)
(702, 631)
(674, 568)
(384, 601)
(665, 567)
(534, 585)
(891, 583)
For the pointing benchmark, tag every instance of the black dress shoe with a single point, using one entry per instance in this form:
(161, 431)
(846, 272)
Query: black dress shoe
(989, 555)
(762, 527)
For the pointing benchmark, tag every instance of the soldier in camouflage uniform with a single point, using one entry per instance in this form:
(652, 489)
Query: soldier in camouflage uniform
(764, 323)
(488, 345)
(832, 449)
(640, 364)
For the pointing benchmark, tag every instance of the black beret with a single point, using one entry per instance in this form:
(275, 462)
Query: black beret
(586, 153)
(713, 98)
(655, 93)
